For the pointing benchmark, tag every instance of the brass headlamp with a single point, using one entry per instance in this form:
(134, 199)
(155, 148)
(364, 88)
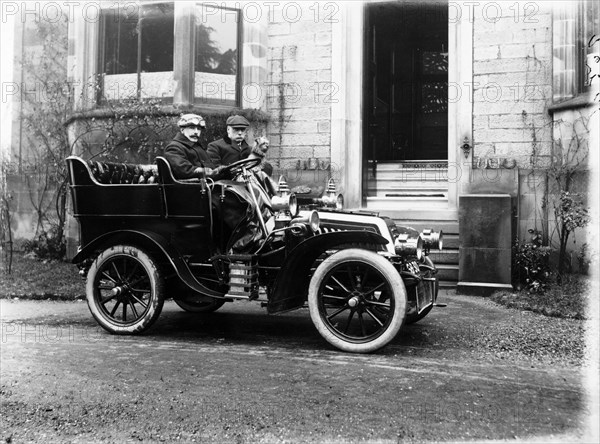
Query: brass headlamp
(284, 204)
(409, 246)
(331, 199)
(432, 240)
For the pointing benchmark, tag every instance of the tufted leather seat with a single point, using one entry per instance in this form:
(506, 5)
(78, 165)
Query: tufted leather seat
(123, 173)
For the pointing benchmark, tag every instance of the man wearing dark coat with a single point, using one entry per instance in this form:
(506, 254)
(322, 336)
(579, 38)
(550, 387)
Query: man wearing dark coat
(185, 153)
(232, 147)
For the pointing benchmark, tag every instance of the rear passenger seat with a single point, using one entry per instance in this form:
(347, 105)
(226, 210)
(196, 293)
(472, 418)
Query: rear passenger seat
(123, 173)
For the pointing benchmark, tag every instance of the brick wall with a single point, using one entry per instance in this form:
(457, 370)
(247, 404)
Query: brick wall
(512, 75)
(299, 79)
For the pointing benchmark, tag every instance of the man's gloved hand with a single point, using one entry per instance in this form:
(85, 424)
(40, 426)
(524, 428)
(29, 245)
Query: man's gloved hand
(214, 172)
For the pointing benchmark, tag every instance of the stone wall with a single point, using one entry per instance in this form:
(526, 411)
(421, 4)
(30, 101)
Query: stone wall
(512, 85)
(23, 216)
(300, 89)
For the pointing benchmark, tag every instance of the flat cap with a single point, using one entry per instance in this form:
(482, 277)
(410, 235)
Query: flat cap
(237, 122)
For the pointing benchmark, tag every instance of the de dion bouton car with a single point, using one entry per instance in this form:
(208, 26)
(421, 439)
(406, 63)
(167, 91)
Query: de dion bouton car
(145, 236)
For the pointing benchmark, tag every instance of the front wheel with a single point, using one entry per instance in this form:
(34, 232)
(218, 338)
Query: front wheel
(357, 300)
(125, 290)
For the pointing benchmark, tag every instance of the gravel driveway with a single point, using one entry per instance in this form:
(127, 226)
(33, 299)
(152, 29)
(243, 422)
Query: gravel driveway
(472, 371)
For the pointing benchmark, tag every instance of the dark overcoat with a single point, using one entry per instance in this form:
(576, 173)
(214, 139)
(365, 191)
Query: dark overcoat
(224, 151)
(185, 156)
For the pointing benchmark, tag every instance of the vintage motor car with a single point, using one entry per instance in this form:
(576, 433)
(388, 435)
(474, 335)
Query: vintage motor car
(145, 236)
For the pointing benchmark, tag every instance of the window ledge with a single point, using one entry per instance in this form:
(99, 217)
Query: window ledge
(104, 112)
(581, 101)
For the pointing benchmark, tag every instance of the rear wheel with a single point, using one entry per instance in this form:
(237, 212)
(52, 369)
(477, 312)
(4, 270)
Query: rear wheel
(357, 300)
(125, 290)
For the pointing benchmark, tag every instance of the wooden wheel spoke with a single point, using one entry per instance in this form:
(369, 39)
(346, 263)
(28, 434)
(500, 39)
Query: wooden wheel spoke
(109, 277)
(139, 301)
(108, 299)
(379, 304)
(105, 287)
(333, 278)
(124, 312)
(349, 321)
(351, 277)
(337, 312)
(365, 276)
(362, 324)
(116, 270)
(114, 310)
(373, 290)
(375, 318)
(132, 272)
(330, 296)
(138, 281)
(135, 313)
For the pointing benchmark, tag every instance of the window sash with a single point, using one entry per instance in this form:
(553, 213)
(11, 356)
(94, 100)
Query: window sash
(574, 24)
(120, 81)
(212, 87)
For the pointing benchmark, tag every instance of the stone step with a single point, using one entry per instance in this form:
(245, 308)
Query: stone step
(421, 220)
(417, 164)
(409, 202)
(411, 175)
(448, 273)
(393, 184)
(409, 192)
(446, 256)
(447, 285)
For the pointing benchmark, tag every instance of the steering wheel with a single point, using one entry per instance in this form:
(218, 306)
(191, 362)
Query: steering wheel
(236, 167)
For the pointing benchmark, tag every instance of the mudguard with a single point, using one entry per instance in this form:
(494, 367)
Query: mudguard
(149, 239)
(291, 285)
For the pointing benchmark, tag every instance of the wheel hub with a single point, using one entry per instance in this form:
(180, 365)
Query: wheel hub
(121, 292)
(354, 301)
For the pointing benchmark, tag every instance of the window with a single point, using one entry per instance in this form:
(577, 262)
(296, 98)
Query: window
(576, 48)
(137, 55)
(216, 56)
(137, 46)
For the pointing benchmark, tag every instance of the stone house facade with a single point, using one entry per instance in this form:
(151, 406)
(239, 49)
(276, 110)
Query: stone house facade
(414, 108)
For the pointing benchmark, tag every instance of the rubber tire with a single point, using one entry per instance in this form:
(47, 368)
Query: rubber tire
(389, 273)
(157, 293)
(206, 307)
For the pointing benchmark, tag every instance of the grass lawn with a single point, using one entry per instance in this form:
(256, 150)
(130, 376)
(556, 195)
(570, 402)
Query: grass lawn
(567, 300)
(37, 279)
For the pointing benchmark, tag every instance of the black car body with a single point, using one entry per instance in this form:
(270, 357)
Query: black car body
(145, 236)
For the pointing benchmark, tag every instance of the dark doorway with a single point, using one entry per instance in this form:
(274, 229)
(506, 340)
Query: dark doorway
(406, 89)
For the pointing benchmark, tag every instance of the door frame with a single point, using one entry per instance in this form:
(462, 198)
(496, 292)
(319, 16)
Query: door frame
(347, 111)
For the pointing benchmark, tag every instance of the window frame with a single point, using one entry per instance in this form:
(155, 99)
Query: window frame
(579, 94)
(239, 59)
(185, 39)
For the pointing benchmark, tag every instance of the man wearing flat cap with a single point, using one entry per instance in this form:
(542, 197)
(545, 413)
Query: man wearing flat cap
(233, 146)
(185, 153)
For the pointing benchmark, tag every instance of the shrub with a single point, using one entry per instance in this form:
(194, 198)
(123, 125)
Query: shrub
(47, 245)
(570, 214)
(531, 263)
